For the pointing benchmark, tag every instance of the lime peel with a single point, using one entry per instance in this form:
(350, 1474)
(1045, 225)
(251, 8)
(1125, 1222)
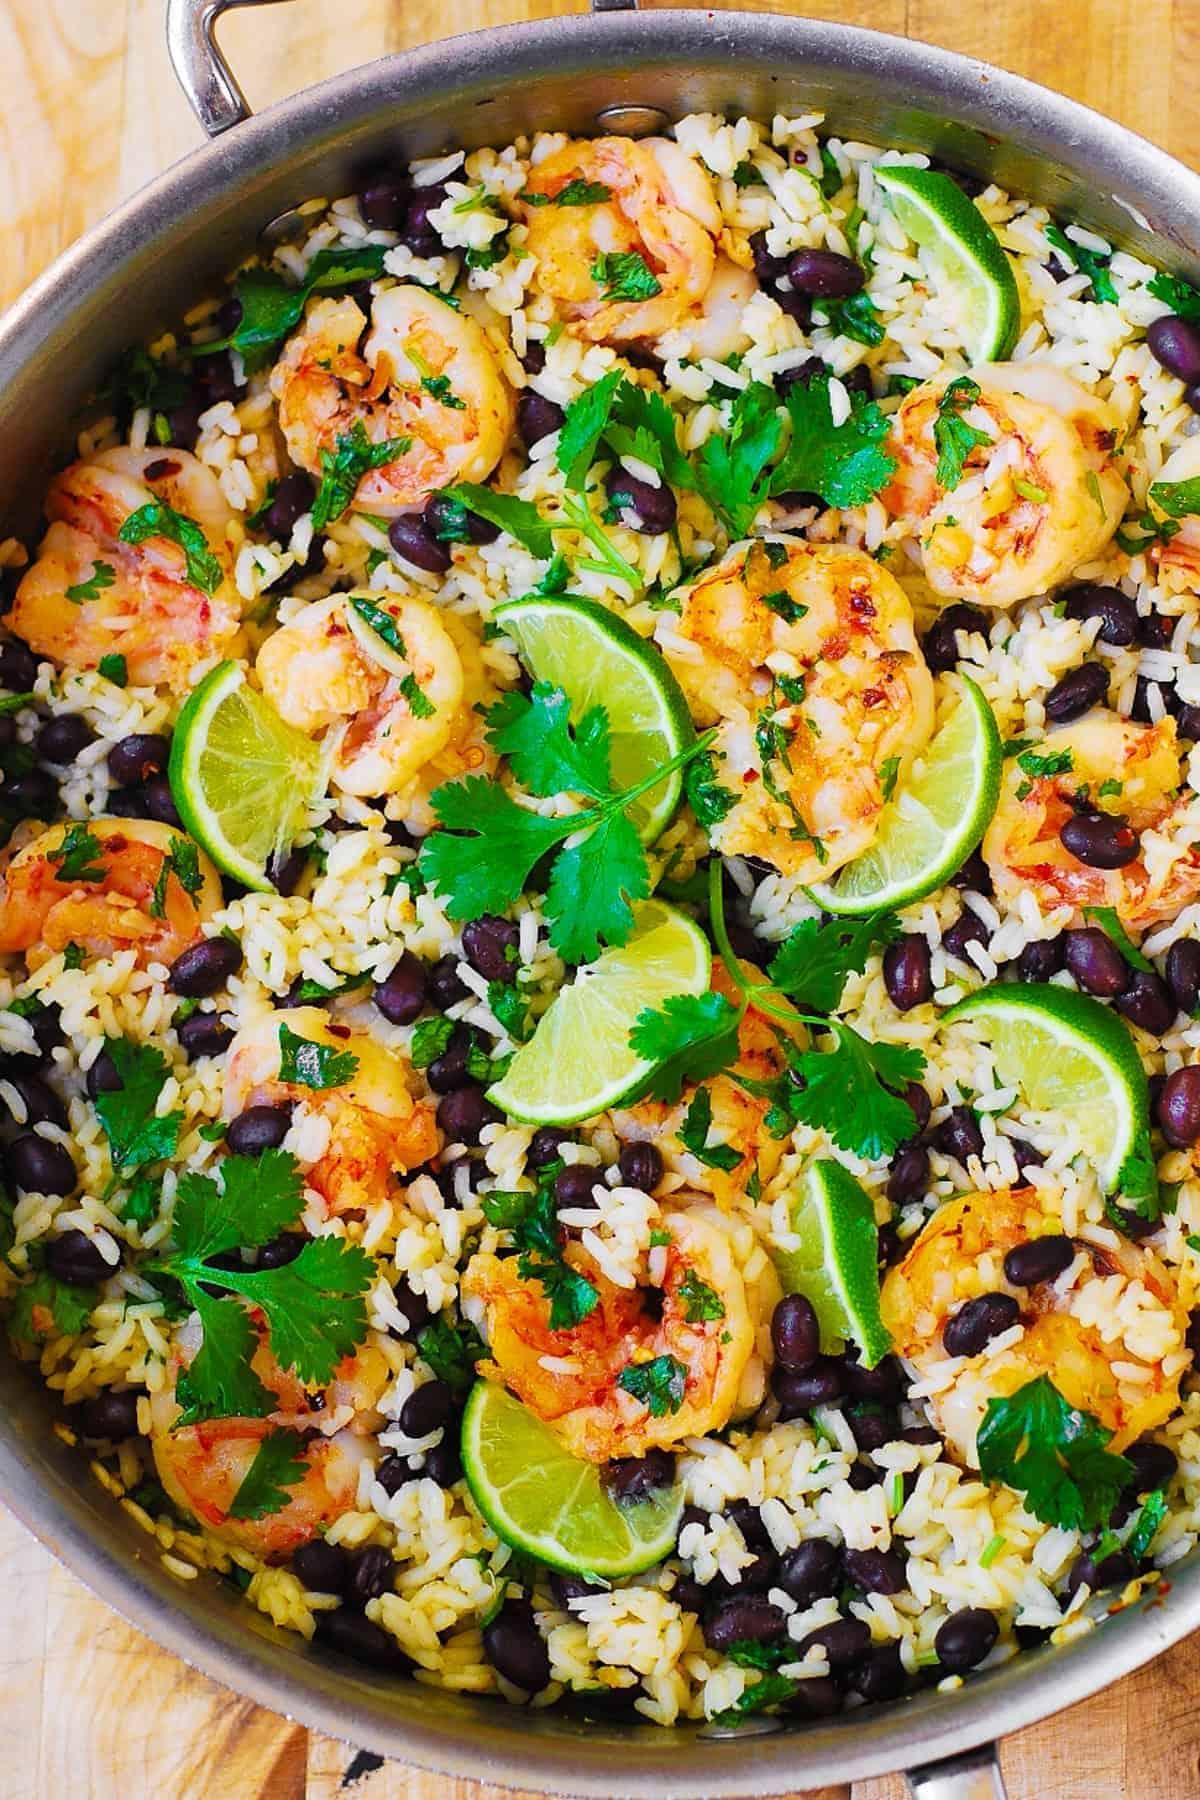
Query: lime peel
(836, 1263)
(965, 252)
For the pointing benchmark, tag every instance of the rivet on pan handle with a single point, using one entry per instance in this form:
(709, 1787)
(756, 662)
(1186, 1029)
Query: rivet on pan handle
(974, 1775)
(202, 71)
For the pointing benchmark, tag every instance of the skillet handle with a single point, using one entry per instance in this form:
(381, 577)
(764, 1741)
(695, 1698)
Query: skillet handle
(202, 71)
(974, 1775)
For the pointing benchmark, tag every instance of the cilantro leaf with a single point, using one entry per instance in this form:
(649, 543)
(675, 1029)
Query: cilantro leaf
(592, 886)
(509, 512)
(707, 798)
(156, 519)
(546, 756)
(847, 1092)
(1178, 499)
(772, 1690)
(1054, 762)
(45, 1305)
(115, 669)
(219, 1383)
(183, 861)
(690, 1037)
(452, 1352)
(259, 1197)
(419, 703)
(135, 1135)
(139, 380)
(278, 1465)
(953, 438)
(642, 424)
(625, 275)
(143, 1201)
(701, 1304)
(1108, 919)
(845, 464)
(380, 622)
(1092, 263)
(693, 1135)
(429, 1039)
(571, 1295)
(313, 1065)
(487, 871)
(750, 1655)
(272, 307)
(1150, 1516)
(659, 1384)
(1055, 1454)
(579, 193)
(855, 318)
(731, 465)
(75, 854)
(102, 576)
(533, 1224)
(343, 467)
(582, 428)
(1180, 296)
(812, 964)
(510, 1008)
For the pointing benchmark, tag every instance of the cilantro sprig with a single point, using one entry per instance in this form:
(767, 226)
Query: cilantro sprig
(1054, 1453)
(488, 846)
(271, 306)
(343, 467)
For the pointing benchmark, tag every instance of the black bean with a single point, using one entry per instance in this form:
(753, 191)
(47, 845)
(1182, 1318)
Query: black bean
(968, 928)
(796, 305)
(446, 986)
(974, 1325)
(127, 803)
(816, 1697)
(372, 1572)
(452, 523)
(60, 740)
(545, 1146)
(322, 1567)
(1096, 963)
(941, 640)
(799, 1390)
(1153, 1465)
(573, 1185)
(1025, 1156)
(875, 1571)
(401, 995)
(885, 1382)
(515, 1649)
(134, 759)
(881, 1675)
(102, 1077)
(1077, 692)
(428, 1408)
(1042, 959)
(916, 1098)
(1116, 1567)
(795, 1333)
(490, 946)
(973, 874)
(632, 1478)
(1101, 840)
(1147, 1003)
(33, 795)
(42, 1104)
(204, 1034)
(751, 1621)
(959, 1134)
(769, 269)
(641, 1166)
(1178, 1107)
(18, 666)
(965, 1638)
(414, 1306)
(639, 505)
(443, 1463)
(1174, 343)
(418, 232)
(281, 1250)
(204, 967)
(292, 499)
(799, 375)
(872, 1426)
(259, 1128)
(447, 1177)
(39, 1167)
(812, 1571)
(384, 203)
(906, 972)
(1038, 1259)
(864, 1475)
(75, 1258)
(825, 274)
(8, 730)
(412, 539)
(354, 1635)
(1187, 722)
(158, 802)
(1117, 613)
(111, 1415)
(462, 1115)
(908, 1177)
(859, 380)
(1183, 973)
(449, 1070)
(889, 1249)
(537, 417)
(1140, 709)
(566, 1588)
(749, 1521)
(1154, 630)
(844, 1641)
(759, 1576)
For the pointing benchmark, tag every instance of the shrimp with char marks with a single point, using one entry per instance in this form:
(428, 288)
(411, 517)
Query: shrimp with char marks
(90, 594)
(1109, 1332)
(1127, 771)
(425, 376)
(571, 1378)
(805, 658)
(1039, 492)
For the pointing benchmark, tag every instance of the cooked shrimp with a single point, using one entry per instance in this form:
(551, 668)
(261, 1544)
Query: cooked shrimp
(805, 657)
(570, 1378)
(393, 704)
(425, 374)
(714, 327)
(660, 209)
(202, 1466)
(1128, 771)
(374, 1126)
(737, 1116)
(1038, 498)
(107, 885)
(1106, 1335)
(136, 599)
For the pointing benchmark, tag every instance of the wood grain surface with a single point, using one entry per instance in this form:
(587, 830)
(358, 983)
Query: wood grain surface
(89, 1707)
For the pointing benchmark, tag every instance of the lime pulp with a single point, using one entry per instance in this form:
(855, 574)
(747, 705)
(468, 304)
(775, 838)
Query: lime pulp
(836, 1263)
(965, 253)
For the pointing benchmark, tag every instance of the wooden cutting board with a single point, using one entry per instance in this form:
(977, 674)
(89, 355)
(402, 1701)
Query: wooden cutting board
(90, 111)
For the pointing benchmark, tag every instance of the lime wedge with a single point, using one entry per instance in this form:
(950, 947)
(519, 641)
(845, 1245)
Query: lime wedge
(1071, 1056)
(241, 778)
(836, 1266)
(550, 1504)
(965, 254)
(935, 819)
(599, 660)
(578, 1061)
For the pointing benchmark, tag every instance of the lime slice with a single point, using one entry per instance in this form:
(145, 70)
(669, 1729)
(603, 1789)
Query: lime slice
(836, 1266)
(933, 822)
(578, 1061)
(1071, 1056)
(241, 778)
(965, 253)
(599, 660)
(544, 1501)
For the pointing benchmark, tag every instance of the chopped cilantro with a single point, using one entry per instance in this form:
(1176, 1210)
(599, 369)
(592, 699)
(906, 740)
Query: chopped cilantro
(452, 1352)
(115, 669)
(278, 1465)
(419, 703)
(625, 275)
(1178, 499)
(102, 576)
(1092, 263)
(701, 1304)
(159, 520)
(44, 1306)
(953, 438)
(381, 623)
(343, 467)
(693, 1135)
(271, 306)
(75, 856)
(855, 318)
(429, 1039)
(313, 1065)
(658, 1384)
(183, 861)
